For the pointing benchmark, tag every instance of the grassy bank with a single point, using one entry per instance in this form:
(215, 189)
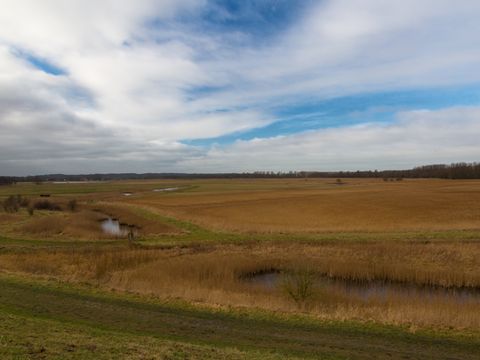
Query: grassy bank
(119, 325)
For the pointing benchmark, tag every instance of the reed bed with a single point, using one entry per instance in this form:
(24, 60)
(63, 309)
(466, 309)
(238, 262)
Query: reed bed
(216, 276)
(319, 205)
(83, 224)
(217, 280)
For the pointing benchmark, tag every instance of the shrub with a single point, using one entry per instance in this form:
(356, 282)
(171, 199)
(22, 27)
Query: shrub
(14, 202)
(23, 202)
(30, 210)
(11, 204)
(46, 205)
(299, 285)
(72, 205)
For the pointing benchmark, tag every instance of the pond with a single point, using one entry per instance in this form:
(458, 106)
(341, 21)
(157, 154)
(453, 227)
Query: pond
(112, 226)
(368, 290)
(166, 189)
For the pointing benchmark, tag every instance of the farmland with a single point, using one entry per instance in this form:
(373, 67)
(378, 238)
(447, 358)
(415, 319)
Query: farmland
(189, 283)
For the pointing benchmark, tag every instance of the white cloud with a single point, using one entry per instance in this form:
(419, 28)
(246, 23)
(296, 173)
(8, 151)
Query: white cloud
(126, 93)
(416, 138)
(53, 27)
(342, 47)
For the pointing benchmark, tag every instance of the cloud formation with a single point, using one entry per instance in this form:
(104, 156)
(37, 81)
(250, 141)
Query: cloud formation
(88, 86)
(415, 138)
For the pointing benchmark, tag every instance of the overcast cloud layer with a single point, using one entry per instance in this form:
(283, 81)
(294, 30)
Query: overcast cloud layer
(192, 85)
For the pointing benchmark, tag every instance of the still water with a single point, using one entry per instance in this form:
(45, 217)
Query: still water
(369, 290)
(114, 227)
(166, 189)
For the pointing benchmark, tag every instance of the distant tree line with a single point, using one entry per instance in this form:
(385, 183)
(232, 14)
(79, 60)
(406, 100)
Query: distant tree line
(7, 180)
(442, 171)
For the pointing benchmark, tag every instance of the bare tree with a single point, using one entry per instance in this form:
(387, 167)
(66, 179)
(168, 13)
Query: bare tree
(299, 285)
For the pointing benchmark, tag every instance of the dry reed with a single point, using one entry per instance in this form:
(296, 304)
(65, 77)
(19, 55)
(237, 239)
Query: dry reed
(319, 205)
(215, 276)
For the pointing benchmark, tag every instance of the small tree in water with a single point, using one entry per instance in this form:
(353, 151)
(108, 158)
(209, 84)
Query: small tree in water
(299, 285)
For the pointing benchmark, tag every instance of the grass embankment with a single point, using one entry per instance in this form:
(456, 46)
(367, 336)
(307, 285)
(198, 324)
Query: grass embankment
(111, 326)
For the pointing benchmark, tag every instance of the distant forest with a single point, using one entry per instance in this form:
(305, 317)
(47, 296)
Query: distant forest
(442, 171)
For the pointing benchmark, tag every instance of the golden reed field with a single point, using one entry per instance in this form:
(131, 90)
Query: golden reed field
(323, 205)
(412, 244)
(215, 276)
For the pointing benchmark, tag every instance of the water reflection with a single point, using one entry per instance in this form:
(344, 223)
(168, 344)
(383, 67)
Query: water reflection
(114, 227)
(370, 290)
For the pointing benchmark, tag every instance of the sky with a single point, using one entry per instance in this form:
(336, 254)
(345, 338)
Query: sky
(89, 86)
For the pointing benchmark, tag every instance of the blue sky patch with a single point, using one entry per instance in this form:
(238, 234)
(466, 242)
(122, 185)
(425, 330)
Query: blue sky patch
(351, 110)
(255, 17)
(40, 63)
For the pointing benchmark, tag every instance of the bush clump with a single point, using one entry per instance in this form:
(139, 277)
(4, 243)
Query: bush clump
(46, 205)
(72, 205)
(14, 202)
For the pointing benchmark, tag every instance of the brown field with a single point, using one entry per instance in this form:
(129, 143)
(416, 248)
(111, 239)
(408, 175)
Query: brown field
(321, 205)
(200, 242)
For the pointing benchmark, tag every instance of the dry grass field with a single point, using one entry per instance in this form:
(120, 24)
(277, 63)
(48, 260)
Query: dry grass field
(81, 224)
(205, 241)
(322, 205)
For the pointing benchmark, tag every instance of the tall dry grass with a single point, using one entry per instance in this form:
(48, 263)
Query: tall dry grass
(216, 279)
(83, 224)
(359, 205)
(216, 276)
(93, 263)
